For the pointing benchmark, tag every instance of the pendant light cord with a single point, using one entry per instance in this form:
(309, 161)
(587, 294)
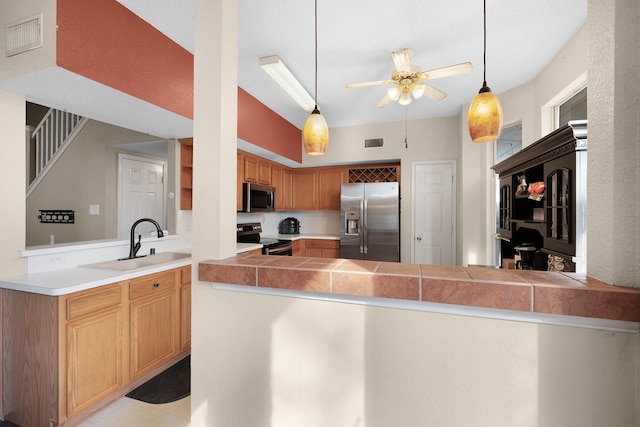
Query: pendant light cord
(316, 53)
(484, 50)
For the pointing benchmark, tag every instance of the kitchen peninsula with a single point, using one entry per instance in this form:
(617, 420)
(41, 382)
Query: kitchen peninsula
(523, 291)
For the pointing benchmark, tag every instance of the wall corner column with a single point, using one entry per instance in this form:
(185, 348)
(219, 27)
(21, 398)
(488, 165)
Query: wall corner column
(614, 153)
(12, 163)
(214, 190)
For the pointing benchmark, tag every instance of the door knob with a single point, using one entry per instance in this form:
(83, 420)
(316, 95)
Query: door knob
(418, 238)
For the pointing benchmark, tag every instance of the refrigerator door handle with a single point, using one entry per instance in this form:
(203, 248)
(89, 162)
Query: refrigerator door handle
(365, 231)
(361, 231)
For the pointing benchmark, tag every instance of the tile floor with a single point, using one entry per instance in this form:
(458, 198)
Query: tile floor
(126, 412)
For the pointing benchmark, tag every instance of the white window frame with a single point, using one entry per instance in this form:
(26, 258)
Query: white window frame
(549, 113)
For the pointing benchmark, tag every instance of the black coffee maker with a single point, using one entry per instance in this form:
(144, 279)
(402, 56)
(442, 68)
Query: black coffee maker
(289, 226)
(528, 254)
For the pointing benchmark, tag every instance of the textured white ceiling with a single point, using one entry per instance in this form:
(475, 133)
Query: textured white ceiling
(355, 38)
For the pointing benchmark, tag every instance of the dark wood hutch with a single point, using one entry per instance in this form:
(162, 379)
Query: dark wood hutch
(543, 202)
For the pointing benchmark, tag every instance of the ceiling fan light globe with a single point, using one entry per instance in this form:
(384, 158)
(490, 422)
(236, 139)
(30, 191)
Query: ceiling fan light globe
(394, 93)
(418, 90)
(485, 117)
(315, 134)
(405, 99)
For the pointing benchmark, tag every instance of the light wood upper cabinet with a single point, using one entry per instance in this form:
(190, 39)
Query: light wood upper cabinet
(264, 172)
(281, 179)
(251, 171)
(186, 173)
(296, 189)
(276, 182)
(305, 189)
(329, 188)
(287, 190)
(239, 180)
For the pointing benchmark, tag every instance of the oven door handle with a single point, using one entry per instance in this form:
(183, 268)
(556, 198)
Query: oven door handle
(279, 249)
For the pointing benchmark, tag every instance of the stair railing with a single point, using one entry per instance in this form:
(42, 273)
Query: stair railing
(51, 137)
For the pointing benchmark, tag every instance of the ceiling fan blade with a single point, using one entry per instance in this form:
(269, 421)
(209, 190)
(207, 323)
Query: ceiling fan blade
(451, 70)
(433, 93)
(363, 84)
(402, 60)
(384, 101)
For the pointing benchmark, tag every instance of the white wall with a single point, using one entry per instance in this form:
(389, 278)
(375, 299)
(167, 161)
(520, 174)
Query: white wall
(36, 59)
(432, 139)
(292, 362)
(13, 169)
(90, 167)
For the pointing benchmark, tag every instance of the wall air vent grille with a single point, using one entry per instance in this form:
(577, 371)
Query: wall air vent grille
(373, 142)
(24, 35)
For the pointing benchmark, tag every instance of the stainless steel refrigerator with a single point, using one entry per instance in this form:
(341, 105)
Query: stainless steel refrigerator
(370, 221)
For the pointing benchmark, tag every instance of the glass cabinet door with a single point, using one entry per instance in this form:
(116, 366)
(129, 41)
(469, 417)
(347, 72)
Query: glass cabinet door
(560, 205)
(504, 209)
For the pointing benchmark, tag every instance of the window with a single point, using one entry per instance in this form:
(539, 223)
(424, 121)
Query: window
(574, 108)
(510, 141)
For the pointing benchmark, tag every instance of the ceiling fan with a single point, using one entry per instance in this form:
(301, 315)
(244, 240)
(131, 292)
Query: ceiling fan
(408, 80)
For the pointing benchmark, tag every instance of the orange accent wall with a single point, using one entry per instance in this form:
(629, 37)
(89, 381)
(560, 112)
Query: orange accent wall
(261, 126)
(106, 42)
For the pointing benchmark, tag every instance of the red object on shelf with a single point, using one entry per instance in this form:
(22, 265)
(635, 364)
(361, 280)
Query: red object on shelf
(536, 188)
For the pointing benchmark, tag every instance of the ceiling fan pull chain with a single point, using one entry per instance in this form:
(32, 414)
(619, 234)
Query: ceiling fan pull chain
(406, 142)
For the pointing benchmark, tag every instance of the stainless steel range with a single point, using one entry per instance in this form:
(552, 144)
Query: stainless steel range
(250, 233)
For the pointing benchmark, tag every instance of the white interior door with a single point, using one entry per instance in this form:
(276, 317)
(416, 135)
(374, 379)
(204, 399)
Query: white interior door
(141, 194)
(433, 213)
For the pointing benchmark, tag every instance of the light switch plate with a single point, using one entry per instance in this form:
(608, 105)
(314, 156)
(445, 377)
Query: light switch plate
(94, 209)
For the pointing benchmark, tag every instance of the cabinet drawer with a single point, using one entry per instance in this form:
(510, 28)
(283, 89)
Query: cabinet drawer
(94, 300)
(322, 244)
(153, 283)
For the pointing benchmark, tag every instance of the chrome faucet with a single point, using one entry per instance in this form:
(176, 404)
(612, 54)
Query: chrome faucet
(134, 247)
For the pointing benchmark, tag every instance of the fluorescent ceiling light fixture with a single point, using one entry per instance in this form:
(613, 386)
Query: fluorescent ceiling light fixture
(287, 81)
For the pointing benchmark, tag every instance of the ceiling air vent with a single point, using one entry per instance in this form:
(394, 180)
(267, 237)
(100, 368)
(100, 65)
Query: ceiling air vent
(24, 35)
(373, 142)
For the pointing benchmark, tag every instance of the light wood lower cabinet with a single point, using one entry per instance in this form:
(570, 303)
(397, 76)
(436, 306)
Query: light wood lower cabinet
(154, 320)
(95, 346)
(65, 356)
(185, 308)
(321, 248)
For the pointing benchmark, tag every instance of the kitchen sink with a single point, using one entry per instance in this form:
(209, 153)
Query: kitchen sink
(139, 263)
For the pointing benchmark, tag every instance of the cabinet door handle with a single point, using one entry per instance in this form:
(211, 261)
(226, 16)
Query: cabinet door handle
(156, 285)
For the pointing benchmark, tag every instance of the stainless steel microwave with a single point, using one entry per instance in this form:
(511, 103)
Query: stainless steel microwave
(258, 198)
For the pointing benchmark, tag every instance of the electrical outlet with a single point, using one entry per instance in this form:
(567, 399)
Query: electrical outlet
(59, 259)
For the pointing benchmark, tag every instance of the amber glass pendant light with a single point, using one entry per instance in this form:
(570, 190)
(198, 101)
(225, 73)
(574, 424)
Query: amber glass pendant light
(485, 112)
(315, 133)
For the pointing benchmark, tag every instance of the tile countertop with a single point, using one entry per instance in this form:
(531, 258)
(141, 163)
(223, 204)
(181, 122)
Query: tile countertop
(303, 236)
(569, 294)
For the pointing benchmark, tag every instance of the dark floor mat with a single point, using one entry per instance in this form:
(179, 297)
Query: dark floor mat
(8, 424)
(168, 386)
